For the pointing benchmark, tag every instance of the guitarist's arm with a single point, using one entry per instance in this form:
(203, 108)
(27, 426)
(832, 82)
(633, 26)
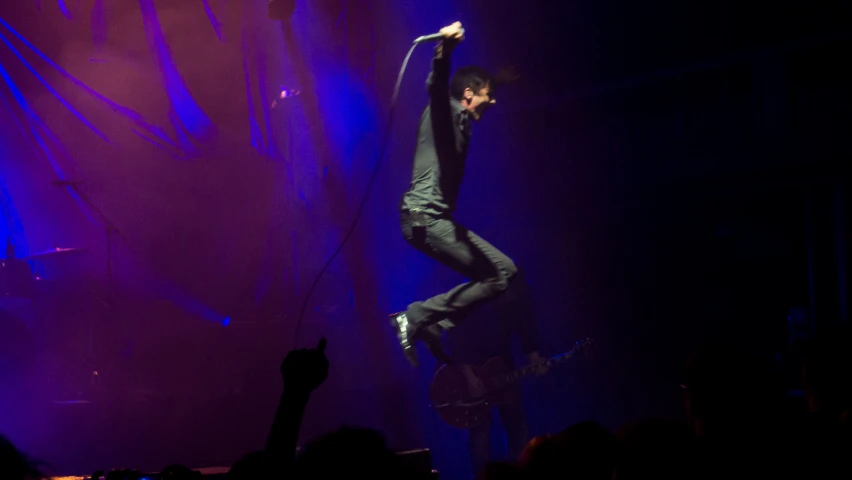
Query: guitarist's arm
(526, 323)
(475, 387)
(536, 358)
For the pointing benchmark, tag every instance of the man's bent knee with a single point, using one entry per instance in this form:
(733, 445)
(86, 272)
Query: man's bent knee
(509, 270)
(498, 285)
(503, 278)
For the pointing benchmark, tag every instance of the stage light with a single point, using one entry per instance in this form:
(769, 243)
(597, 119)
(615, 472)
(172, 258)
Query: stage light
(281, 9)
(289, 92)
(285, 94)
(226, 322)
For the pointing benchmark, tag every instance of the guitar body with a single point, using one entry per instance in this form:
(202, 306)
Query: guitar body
(450, 398)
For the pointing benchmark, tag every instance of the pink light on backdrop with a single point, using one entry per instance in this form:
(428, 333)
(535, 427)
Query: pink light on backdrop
(192, 49)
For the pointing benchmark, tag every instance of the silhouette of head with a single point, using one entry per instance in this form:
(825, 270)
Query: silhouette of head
(826, 373)
(14, 465)
(657, 449)
(498, 471)
(728, 384)
(252, 465)
(584, 451)
(349, 452)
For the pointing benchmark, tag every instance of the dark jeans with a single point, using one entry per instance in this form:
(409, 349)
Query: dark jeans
(479, 438)
(450, 243)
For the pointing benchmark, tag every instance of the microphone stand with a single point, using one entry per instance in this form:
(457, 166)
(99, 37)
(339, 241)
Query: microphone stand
(110, 230)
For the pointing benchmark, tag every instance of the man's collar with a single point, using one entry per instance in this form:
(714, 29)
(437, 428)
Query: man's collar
(458, 107)
(461, 115)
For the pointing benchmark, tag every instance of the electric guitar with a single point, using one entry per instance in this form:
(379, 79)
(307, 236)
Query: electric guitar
(449, 393)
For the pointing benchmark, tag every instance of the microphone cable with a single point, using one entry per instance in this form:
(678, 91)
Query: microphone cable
(373, 176)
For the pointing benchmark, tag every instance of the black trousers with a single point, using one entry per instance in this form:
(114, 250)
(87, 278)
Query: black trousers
(450, 243)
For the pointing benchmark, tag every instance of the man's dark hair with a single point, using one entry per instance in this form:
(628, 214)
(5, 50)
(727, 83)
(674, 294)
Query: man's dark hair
(472, 77)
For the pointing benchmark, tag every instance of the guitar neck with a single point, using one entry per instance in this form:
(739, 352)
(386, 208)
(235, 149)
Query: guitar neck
(504, 380)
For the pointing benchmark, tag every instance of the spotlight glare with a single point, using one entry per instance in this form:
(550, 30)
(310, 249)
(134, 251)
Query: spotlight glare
(289, 92)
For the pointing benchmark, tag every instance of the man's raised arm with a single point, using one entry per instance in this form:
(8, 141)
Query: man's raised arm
(438, 83)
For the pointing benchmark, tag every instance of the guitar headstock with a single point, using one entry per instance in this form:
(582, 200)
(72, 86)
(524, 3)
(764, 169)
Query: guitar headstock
(583, 347)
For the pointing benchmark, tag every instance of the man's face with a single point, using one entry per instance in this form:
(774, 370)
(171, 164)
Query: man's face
(477, 102)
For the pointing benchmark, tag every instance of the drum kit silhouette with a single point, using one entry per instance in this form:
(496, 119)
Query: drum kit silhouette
(18, 283)
(35, 326)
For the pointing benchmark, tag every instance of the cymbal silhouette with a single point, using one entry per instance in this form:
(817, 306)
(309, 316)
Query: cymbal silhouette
(57, 251)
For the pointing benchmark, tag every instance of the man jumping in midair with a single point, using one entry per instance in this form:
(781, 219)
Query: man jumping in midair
(426, 209)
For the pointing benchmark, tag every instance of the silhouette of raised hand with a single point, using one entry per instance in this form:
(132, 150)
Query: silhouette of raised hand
(305, 369)
(302, 371)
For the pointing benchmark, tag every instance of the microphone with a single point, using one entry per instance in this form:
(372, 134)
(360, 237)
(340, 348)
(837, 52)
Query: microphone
(65, 183)
(435, 37)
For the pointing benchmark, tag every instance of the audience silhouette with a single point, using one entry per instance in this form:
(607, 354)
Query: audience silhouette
(736, 426)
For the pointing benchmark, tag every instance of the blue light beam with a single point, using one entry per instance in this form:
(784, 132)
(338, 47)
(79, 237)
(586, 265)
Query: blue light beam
(52, 90)
(188, 116)
(129, 113)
